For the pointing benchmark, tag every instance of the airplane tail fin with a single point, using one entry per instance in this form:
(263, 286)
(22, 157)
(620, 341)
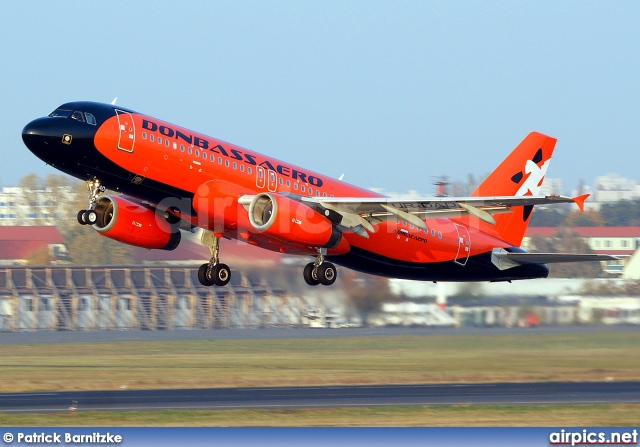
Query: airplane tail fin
(520, 174)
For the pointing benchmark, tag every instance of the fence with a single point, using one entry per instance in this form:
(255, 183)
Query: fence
(148, 298)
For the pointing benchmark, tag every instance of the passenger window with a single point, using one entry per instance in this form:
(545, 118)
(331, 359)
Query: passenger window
(241, 168)
(439, 234)
(90, 118)
(144, 135)
(182, 148)
(151, 136)
(433, 232)
(77, 116)
(175, 145)
(219, 160)
(295, 186)
(249, 171)
(280, 180)
(302, 188)
(159, 140)
(189, 150)
(235, 165)
(310, 191)
(289, 183)
(317, 193)
(226, 163)
(324, 194)
(167, 143)
(204, 155)
(197, 153)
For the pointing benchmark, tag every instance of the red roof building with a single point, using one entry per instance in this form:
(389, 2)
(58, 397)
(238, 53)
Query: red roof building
(17, 244)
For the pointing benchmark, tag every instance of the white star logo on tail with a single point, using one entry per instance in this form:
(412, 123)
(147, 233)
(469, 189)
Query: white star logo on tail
(533, 183)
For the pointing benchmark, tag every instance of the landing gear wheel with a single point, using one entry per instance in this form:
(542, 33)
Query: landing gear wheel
(202, 276)
(327, 273)
(218, 274)
(221, 274)
(91, 217)
(309, 277)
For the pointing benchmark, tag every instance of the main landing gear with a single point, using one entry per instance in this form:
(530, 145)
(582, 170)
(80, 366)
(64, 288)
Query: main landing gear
(213, 272)
(320, 272)
(89, 216)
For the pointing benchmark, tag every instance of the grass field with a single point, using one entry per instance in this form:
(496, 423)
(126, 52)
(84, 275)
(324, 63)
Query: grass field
(481, 416)
(331, 361)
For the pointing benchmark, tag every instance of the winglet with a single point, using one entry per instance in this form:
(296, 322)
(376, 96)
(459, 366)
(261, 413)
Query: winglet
(580, 201)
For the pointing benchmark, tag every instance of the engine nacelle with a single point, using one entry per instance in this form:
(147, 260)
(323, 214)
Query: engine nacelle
(291, 221)
(133, 224)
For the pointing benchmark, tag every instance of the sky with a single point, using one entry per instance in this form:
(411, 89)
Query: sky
(390, 93)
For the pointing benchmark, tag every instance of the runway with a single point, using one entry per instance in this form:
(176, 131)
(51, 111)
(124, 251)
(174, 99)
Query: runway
(45, 337)
(280, 398)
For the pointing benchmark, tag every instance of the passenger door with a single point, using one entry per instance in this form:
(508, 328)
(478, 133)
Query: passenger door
(126, 130)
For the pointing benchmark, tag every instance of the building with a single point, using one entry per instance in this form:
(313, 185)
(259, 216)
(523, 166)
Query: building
(612, 188)
(21, 206)
(609, 240)
(551, 187)
(20, 244)
(609, 188)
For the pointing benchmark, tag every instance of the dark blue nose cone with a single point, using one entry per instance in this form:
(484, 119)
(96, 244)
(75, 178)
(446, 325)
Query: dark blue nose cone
(41, 135)
(59, 141)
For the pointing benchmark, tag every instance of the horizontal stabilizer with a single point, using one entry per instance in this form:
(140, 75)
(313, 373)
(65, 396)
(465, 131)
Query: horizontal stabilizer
(506, 260)
(580, 201)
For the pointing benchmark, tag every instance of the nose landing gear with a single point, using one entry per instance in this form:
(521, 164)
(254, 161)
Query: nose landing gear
(89, 216)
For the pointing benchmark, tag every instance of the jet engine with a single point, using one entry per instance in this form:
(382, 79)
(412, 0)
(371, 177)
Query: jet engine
(291, 221)
(134, 224)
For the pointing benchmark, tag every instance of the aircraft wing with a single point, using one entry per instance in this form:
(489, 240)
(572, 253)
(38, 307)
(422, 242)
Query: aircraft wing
(505, 260)
(361, 212)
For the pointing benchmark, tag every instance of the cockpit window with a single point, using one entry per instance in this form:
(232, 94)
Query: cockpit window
(77, 116)
(90, 118)
(60, 113)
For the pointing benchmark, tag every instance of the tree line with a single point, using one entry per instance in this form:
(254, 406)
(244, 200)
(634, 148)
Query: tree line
(614, 214)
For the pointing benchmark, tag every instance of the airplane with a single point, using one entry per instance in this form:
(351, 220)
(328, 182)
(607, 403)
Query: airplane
(168, 178)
